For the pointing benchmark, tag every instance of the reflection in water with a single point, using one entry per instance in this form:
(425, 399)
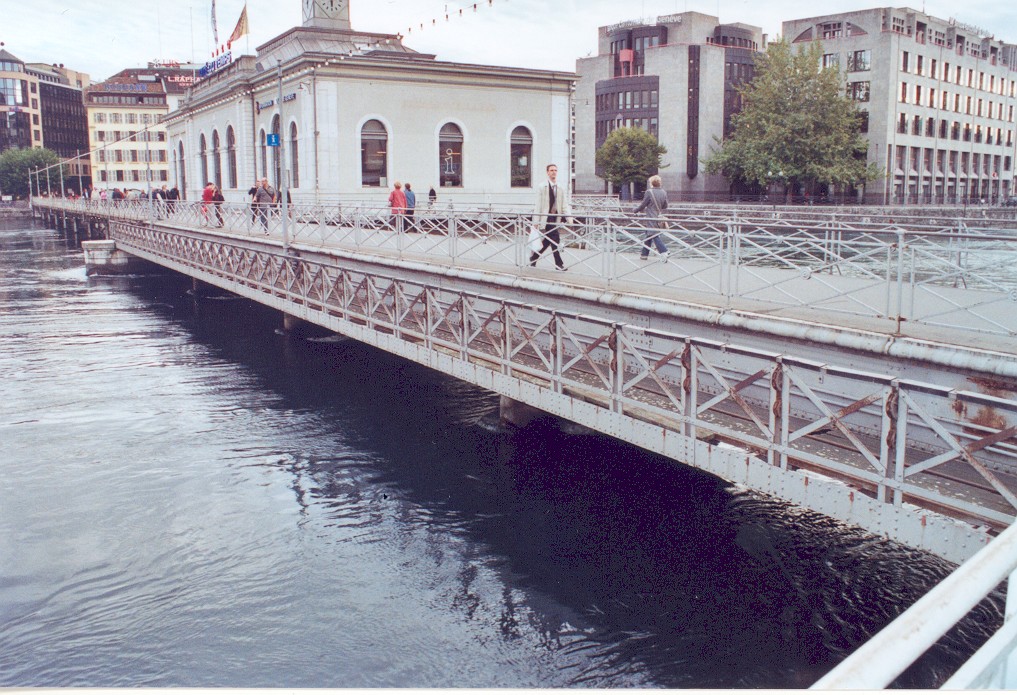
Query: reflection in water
(273, 511)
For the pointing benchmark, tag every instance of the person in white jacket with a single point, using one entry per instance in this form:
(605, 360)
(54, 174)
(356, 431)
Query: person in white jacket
(553, 206)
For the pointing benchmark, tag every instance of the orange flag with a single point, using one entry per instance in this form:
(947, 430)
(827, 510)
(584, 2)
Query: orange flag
(241, 26)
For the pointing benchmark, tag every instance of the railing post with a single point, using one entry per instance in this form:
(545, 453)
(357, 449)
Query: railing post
(899, 318)
(452, 250)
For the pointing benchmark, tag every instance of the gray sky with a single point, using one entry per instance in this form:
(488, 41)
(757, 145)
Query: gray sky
(102, 37)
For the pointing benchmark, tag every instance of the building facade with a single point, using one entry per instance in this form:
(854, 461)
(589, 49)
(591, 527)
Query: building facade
(676, 78)
(64, 120)
(126, 134)
(20, 111)
(336, 114)
(938, 98)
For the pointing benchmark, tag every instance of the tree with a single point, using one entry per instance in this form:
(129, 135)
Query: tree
(16, 164)
(629, 155)
(796, 127)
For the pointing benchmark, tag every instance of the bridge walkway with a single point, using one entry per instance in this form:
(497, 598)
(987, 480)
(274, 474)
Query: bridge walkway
(746, 300)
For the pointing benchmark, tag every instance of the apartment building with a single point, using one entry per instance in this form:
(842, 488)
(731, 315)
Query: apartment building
(938, 98)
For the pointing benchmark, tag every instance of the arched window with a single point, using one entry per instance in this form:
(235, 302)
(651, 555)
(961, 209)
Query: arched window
(521, 155)
(181, 171)
(450, 156)
(203, 158)
(294, 157)
(231, 156)
(264, 155)
(374, 154)
(276, 161)
(216, 160)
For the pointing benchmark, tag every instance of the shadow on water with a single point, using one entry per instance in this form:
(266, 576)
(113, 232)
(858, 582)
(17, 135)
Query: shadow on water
(639, 564)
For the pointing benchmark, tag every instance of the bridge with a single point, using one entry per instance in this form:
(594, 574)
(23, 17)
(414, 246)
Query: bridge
(859, 364)
(858, 367)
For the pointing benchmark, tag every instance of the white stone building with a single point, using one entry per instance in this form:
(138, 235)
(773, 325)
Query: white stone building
(938, 96)
(354, 112)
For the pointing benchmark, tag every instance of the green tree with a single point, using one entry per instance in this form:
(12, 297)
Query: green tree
(796, 127)
(629, 155)
(16, 164)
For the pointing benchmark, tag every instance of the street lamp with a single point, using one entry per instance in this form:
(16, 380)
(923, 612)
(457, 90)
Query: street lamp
(282, 166)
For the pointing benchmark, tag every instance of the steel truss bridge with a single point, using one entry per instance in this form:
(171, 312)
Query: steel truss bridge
(862, 369)
(840, 361)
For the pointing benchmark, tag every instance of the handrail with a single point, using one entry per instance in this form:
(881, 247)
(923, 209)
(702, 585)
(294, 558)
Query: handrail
(898, 645)
(956, 276)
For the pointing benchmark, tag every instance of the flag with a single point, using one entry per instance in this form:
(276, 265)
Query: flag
(241, 26)
(215, 27)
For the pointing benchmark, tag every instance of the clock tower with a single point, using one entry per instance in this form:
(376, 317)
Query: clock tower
(327, 14)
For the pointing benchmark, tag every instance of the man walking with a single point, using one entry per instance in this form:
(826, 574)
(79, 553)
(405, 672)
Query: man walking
(552, 206)
(264, 198)
(411, 204)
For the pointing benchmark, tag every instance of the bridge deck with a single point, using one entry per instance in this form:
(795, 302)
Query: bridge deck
(837, 302)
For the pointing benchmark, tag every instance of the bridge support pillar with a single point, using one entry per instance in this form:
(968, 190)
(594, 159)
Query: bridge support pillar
(518, 413)
(103, 257)
(291, 323)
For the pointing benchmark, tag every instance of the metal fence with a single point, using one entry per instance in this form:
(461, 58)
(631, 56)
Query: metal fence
(958, 274)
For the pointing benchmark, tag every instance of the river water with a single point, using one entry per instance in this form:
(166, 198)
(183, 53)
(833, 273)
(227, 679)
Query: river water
(189, 498)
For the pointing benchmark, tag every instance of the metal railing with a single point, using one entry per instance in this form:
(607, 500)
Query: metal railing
(890, 652)
(958, 275)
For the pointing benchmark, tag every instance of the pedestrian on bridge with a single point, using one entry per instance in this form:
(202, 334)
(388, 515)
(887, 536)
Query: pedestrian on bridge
(397, 201)
(411, 205)
(264, 199)
(551, 209)
(653, 205)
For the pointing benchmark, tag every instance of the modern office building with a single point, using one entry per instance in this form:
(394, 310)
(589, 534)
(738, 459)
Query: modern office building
(20, 111)
(338, 114)
(676, 78)
(938, 97)
(64, 121)
(127, 138)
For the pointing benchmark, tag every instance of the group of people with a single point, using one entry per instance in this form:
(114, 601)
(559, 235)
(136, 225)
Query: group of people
(402, 202)
(264, 199)
(212, 199)
(553, 208)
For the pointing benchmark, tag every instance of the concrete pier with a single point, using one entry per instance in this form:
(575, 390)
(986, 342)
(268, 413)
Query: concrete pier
(103, 258)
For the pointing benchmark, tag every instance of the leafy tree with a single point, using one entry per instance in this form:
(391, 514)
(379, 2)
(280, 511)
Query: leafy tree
(796, 127)
(629, 155)
(16, 164)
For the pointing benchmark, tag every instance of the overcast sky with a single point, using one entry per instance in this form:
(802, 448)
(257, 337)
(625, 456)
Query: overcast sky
(102, 37)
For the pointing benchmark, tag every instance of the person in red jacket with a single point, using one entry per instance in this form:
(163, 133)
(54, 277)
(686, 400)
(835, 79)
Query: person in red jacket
(207, 196)
(397, 200)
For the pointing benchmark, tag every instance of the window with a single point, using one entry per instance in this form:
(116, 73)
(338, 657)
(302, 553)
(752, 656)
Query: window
(231, 156)
(905, 61)
(216, 161)
(832, 60)
(277, 165)
(859, 61)
(264, 154)
(903, 92)
(203, 159)
(294, 157)
(374, 155)
(858, 91)
(521, 154)
(450, 156)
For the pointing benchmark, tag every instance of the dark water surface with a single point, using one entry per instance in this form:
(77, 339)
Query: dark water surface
(189, 498)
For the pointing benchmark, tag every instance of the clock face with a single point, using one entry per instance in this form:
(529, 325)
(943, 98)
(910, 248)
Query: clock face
(332, 8)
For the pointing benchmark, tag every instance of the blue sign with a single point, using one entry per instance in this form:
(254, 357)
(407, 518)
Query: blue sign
(272, 139)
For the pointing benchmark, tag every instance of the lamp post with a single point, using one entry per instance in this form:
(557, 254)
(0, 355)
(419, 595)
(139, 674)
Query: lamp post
(282, 167)
(49, 191)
